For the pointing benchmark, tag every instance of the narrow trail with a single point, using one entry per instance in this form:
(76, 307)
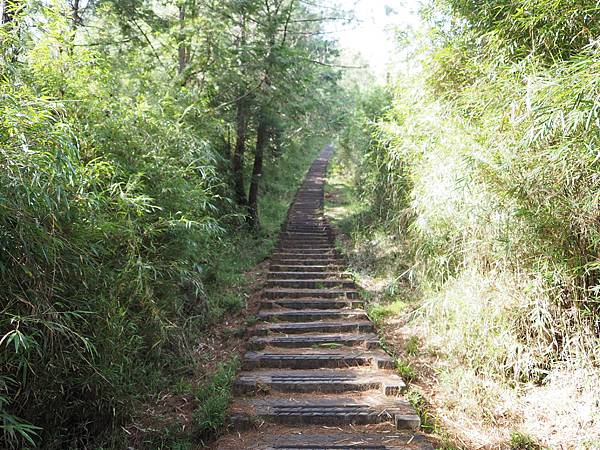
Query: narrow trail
(314, 376)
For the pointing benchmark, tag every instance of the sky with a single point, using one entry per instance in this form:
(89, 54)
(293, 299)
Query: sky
(372, 35)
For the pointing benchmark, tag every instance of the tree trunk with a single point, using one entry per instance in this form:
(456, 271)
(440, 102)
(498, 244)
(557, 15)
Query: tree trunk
(181, 38)
(10, 20)
(238, 154)
(76, 16)
(5, 15)
(262, 137)
(8, 10)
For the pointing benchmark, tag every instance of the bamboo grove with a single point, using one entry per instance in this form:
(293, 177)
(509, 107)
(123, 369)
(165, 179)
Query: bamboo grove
(139, 141)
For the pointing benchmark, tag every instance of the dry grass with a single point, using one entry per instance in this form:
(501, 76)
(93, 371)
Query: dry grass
(470, 358)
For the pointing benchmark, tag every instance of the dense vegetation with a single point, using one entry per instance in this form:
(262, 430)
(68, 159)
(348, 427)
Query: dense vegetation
(482, 171)
(134, 136)
(146, 153)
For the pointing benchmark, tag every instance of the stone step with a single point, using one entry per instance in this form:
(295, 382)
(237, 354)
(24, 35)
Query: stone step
(307, 315)
(315, 240)
(334, 440)
(316, 234)
(325, 381)
(307, 276)
(306, 261)
(283, 358)
(314, 363)
(299, 222)
(304, 247)
(318, 283)
(323, 410)
(297, 228)
(274, 293)
(322, 238)
(293, 254)
(312, 303)
(328, 250)
(275, 267)
(369, 341)
(322, 326)
(306, 226)
(312, 240)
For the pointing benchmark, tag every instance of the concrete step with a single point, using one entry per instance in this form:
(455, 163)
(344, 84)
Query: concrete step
(312, 303)
(304, 247)
(307, 315)
(316, 234)
(328, 257)
(322, 236)
(314, 217)
(306, 276)
(323, 410)
(325, 381)
(329, 250)
(276, 267)
(322, 326)
(306, 228)
(315, 283)
(368, 341)
(302, 238)
(283, 358)
(273, 293)
(294, 254)
(323, 439)
(306, 261)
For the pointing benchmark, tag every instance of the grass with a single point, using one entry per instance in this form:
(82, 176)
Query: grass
(378, 312)
(522, 441)
(461, 205)
(213, 397)
(465, 320)
(412, 346)
(405, 370)
(419, 403)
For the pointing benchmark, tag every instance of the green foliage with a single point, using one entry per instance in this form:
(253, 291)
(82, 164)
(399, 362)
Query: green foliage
(483, 169)
(119, 241)
(213, 398)
(412, 346)
(494, 183)
(521, 441)
(406, 371)
(379, 311)
(416, 399)
(553, 29)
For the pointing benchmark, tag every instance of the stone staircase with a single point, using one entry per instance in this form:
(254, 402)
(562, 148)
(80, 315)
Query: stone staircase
(314, 376)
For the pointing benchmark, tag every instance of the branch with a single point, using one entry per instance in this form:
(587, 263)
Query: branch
(94, 44)
(287, 23)
(150, 44)
(230, 102)
(321, 19)
(340, 66)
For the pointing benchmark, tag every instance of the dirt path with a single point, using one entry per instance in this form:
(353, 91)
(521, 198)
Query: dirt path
(314, 376)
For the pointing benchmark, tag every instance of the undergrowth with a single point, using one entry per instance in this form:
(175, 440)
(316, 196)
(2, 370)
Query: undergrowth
(120, 244)
(471, 194)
